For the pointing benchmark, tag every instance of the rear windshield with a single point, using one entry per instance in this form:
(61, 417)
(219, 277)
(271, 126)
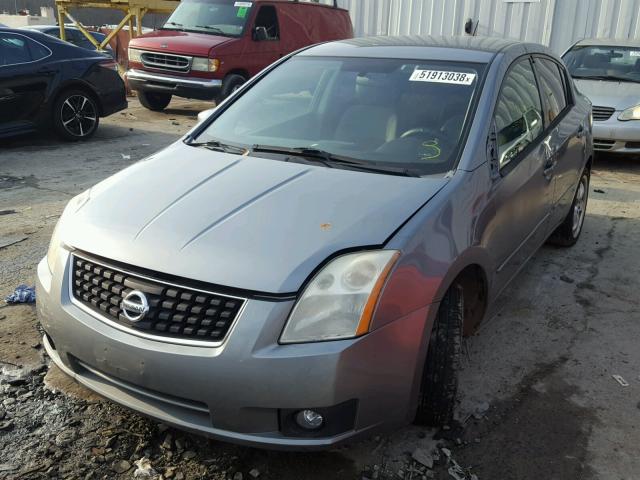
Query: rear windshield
(216, 17)
(383, 112)
(604, 62)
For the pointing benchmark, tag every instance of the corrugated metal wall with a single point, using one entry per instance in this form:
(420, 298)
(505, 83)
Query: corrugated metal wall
(557, 23)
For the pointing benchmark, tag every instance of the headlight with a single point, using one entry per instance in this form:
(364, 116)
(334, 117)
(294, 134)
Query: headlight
(202, 64)
(339, 301)
(135, 55)
(632, 113)
(75, 204)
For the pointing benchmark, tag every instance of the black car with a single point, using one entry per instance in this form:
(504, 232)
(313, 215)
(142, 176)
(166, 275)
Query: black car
(45, 82)
(75, 36)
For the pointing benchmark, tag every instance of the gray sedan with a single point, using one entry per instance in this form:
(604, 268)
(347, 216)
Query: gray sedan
(608, 72)
(299, 269)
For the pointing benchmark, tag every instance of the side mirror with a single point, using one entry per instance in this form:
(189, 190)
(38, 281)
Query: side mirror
(260, 34)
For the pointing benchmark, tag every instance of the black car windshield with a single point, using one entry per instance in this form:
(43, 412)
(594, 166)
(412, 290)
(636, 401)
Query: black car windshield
(382, 113)
(216, 17)
(603, 62)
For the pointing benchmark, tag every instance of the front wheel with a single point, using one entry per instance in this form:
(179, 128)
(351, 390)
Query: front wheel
(440, 378)
(153, 100)
(230, 84)
(568, 232)
(75, 115)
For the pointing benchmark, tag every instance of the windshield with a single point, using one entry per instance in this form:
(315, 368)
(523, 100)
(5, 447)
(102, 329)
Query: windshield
(604, 62)
(217, 17)
(399, 114)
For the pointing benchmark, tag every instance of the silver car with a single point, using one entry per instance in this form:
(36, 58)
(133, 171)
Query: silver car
(300, 268)
(608, 72)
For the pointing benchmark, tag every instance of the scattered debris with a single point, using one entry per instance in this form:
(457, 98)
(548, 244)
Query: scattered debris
(125, 157)
(121, 466)
(423, 457)
(7, 212)
(620, 380)
(254, 473)
(189, 454)
(22, 294)
(597, 190)
(143, 468)
(566, 279)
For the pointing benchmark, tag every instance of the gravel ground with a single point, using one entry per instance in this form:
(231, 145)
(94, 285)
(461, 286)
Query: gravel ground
(538, 399)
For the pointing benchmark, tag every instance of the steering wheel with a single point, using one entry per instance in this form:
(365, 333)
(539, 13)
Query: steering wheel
(422, 131)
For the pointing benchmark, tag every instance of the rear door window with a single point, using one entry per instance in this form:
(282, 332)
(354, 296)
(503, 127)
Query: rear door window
(518, 113)
(13, 49)
(552, 89)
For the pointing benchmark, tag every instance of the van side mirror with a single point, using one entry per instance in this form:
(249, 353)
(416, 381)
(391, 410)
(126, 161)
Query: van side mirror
(260, 34)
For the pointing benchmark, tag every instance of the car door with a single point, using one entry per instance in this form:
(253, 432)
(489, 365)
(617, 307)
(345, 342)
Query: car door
(22, 83)
(565, 140)
(521, 195)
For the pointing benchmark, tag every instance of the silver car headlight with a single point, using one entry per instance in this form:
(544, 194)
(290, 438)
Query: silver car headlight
(75, 204)
(340, 300)
(632, 113)
(135, 55)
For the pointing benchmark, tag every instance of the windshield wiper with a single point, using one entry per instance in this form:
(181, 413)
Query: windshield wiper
(209, 27)
(329, 159)
(605, 77)
(217, 146)
(179, 25)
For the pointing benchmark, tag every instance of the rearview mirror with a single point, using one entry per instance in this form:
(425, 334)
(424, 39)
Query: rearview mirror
(260, 34)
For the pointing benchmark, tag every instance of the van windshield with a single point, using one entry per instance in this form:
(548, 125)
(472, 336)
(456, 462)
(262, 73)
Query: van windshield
(216, 17)
(394, 114)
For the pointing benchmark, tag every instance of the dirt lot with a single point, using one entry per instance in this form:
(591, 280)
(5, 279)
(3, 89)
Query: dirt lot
(538, 399)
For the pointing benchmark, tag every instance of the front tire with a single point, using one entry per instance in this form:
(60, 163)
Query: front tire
(440, 378)
(230, 84)
(567, 234)
(154, 101)
(75, 115)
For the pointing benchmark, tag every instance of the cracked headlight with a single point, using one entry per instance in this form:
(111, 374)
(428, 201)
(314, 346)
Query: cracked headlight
(340, 300)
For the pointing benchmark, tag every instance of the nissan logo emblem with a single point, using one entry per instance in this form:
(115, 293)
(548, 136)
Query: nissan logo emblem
(134, 306)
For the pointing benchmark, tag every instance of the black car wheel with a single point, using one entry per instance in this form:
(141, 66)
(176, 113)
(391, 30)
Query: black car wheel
(230, 84)
(568, 232)
(75, 115)
(440, 377)
(153, 100)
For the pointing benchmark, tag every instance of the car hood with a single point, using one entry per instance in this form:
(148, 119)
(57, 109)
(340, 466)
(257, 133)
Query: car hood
(186, 43)
(605, 93)
(243, 222)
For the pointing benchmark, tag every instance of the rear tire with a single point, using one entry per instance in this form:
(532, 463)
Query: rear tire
(153, 100)
(75, 115)
(230, 84)
(440, 378)
(567, 234)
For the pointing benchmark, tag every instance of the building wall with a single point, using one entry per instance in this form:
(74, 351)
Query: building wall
(557, 23)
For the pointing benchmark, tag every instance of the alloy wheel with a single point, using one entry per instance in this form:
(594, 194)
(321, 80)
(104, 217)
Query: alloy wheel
(78, 115)
(580, 206)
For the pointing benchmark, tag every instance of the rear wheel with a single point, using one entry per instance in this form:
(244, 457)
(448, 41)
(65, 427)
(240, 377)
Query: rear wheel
(568, 232)
(230, 84)
(440, 377)
(75, 115)
(153, 100)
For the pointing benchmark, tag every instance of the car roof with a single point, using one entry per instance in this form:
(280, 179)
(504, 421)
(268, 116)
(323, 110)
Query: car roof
(458, 48)
(611, 42)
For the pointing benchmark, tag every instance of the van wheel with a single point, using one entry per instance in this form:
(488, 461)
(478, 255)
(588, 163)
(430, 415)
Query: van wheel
(75, 115)
(230, 84)
(440, 377)
(153, 100)
(568, 232)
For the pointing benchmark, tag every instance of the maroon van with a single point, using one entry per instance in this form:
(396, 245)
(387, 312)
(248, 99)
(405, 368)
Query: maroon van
(208, 48)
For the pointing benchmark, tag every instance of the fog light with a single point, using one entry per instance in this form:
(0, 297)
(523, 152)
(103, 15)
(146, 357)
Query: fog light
(309, 420)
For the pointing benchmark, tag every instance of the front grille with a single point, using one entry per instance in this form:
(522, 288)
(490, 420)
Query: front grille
(175, 312)
(165, 61)
(600, 114)
(632, 145)
(602, 144)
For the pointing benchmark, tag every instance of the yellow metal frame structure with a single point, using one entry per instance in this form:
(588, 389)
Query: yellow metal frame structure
(134, 10)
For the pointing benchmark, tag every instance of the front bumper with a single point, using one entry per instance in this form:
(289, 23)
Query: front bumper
(187, 87)
(615, 136)
(237, 392)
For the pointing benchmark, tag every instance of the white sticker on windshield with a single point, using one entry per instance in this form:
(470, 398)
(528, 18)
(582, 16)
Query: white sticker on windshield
(441, 76)
(635, 53)
(243, 4)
